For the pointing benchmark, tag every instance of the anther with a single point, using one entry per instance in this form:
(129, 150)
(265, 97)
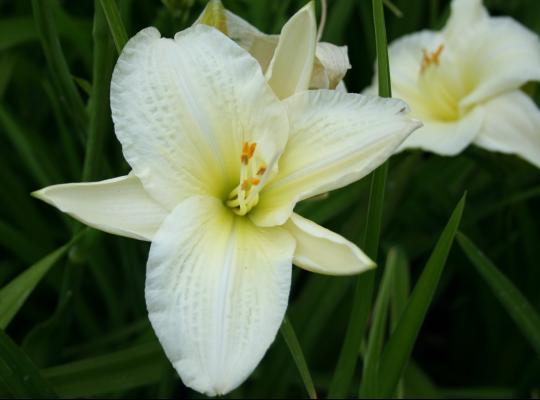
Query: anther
(431, 58)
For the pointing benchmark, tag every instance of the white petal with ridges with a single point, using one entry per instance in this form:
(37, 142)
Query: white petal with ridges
(323, 251)
(335, 139)
(291, 66)
(119, 206)
(182, 109)
(216, 289)
(512, 125)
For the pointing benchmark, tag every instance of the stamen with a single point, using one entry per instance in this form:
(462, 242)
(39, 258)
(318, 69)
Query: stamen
(244, 197)
(431, 58)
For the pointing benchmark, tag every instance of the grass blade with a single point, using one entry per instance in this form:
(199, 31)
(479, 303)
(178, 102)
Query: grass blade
(122, 370)
(99, 99)
(50, 42)
(364, 287)
(19, 377)
(290, 338)
(118, 31)
(400, 345)
(15, 293)
(33, 160)
(400, 286)
(519, 309)
(370, 377)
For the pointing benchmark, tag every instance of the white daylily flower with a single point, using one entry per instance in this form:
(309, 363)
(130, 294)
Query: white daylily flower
(463, 83)
(292, 61)
(204, 135)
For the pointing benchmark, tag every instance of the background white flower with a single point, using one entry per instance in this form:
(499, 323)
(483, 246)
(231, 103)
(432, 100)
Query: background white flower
(464, 83)
(204, 135)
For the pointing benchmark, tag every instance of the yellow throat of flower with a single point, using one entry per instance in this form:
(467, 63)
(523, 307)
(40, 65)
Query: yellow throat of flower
(245, 196)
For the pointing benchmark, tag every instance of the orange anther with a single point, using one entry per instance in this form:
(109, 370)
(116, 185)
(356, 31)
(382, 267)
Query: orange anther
(248, 149)
(431, 58)
(255, 181)
(261, 171)
(252, 147)
(246, 185)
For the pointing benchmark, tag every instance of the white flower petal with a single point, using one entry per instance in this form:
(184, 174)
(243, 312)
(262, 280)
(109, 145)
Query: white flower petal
(331, 65)
(323, 251)
(465, 15)
(290, 69)
(405, 57)
(216, 289)
(335, 139)
(183, 107)
(501, 57)
(258, 44)
(446, 138)
(119, 206)
(512, 125)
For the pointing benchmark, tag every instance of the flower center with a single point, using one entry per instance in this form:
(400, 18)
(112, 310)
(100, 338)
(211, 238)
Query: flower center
(245, 196)
(438, 86)
(430, 58)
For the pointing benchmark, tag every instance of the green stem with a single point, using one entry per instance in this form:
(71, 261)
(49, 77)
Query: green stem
(365, 283)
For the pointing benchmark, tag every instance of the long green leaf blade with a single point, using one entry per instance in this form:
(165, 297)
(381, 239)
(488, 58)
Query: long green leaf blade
(19, 377)
(290, 338)
(99, 99)
(519, 309)
(50, 42)
(400, 345)
(15, 293)
(122, 370)
(116, 26)
(370, 378)
(363, 293)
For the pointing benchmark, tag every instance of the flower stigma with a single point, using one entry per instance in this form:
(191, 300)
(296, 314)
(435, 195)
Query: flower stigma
(245, 196)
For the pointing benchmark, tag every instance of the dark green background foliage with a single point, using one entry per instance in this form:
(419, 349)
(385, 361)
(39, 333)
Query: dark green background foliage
(85, 325)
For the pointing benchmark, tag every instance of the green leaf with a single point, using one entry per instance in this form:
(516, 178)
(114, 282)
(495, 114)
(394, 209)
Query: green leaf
(15, 293)
(364, 287)
(400, 286)
(99, 99)
(137, 366)
(29, 154)
(19, 377)
(348, 356)
(370, 379)
(398, 350)
(519, 309)
(62, 78)
(118, 31)
(290, 338)
(15, 31)
(399, 295)
(418, 385)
